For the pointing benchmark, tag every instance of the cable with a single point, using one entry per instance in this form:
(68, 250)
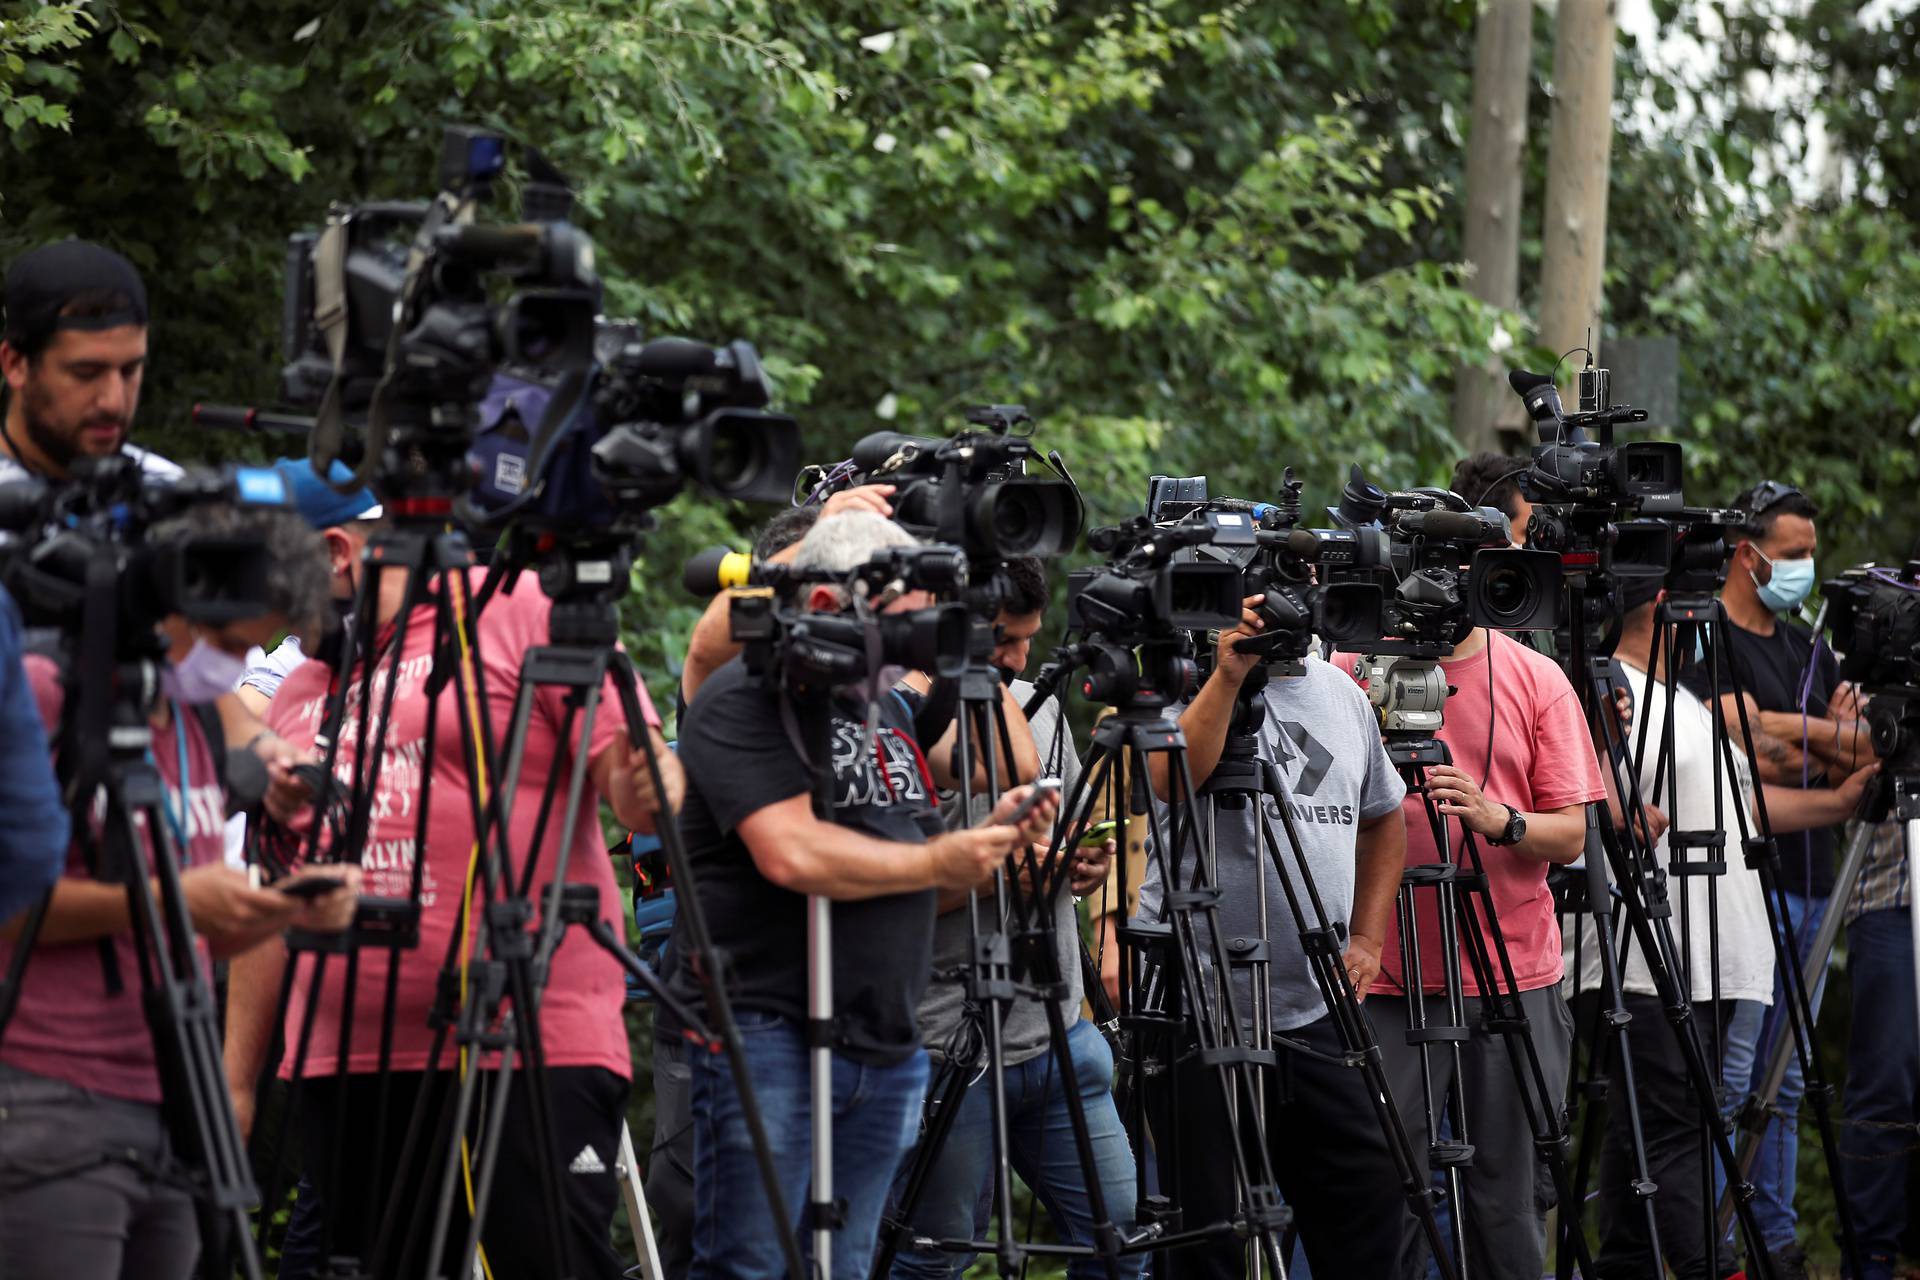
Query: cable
(474, 712)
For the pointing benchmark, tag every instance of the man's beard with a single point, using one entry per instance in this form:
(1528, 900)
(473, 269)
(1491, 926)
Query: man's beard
(60, 448)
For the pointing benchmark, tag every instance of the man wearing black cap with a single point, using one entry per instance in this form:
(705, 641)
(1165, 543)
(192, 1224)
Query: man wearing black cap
(73, 352)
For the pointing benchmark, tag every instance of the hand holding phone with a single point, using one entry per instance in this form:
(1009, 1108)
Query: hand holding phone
(1042, 789)
(308, 885)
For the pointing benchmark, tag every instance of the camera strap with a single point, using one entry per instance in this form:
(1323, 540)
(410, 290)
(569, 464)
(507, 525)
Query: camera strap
(330, 319)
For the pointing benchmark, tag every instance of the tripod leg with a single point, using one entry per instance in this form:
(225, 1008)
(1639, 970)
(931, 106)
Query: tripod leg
(639, 1221)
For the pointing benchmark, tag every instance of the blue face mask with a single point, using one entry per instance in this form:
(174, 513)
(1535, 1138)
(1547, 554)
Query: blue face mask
(1791, 584)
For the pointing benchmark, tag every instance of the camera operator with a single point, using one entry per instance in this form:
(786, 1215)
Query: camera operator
(956, 1199)
(1806, 735)
(1493, 479)
(1329, 1153)
(1524, 771)
(581, 1022)
(33, 822)
(73, 351)
(344, 521)
(669, 1185)
(711, 646)
(760, 849)
(1738, 936)
(85, 1189)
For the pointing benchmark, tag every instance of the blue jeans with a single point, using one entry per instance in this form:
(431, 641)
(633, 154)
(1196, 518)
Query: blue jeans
(876, 1113)
(1883, 1081)
(1751, 1036)
(957, 1200)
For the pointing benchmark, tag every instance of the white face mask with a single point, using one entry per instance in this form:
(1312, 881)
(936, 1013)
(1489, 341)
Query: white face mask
(203, 675)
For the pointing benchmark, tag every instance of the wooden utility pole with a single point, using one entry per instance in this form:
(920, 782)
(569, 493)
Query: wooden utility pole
(1574, 237)
(1496, 146)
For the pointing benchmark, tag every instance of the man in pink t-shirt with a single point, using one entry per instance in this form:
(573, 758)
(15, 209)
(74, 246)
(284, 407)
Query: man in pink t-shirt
(581, 1026)
(1522, 773)
(85, 1189)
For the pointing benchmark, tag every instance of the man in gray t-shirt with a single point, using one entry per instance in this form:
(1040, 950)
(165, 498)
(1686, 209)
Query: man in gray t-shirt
(956, 1200)
(1328, 1153)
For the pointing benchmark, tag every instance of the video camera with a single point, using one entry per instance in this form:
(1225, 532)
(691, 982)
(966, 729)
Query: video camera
(1586, 491)
(648, 419)
(56, 539)
(811, 652)
(1874, 613)
(971, 490)
(388, 318)
(1437, 567)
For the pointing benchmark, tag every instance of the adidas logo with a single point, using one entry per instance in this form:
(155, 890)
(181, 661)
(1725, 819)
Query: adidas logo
(588, 1161)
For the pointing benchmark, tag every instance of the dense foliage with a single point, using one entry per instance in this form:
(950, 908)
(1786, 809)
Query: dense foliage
(1193, 235)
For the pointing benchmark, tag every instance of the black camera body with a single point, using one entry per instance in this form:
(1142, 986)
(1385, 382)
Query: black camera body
(1874, 612)
(972, 490)
(650, 418)
(1586, 491)
(55, 537)
(813, 653)
(1437, 566)
(389, 319)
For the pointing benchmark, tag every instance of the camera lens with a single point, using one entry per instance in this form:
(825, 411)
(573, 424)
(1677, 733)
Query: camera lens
(734, 456)
(1015, 520)
(1509, 594)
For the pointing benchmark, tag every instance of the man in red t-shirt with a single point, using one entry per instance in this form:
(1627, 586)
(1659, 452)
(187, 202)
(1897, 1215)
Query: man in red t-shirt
(85, 1193)
(1523, 772)
(581, 1026)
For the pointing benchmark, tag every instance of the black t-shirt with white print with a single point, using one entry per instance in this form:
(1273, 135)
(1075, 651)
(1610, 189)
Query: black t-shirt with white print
(739, 760)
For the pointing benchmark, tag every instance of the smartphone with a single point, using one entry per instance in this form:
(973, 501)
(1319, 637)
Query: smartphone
(1041, 790)
(308, 885)
(1100, 832)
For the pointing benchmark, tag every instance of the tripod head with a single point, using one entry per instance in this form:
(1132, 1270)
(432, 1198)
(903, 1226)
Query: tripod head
(1408, 692)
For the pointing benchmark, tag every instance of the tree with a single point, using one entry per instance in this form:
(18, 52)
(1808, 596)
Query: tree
(1496, 150)
(1574, 238)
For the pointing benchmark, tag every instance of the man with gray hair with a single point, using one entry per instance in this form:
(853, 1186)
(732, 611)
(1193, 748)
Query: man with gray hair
(759, 851)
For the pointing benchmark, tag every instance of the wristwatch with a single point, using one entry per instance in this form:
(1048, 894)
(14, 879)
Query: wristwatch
(1515, 830)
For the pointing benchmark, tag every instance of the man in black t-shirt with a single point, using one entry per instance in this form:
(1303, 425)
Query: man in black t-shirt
(758, 851)
(1806, 733)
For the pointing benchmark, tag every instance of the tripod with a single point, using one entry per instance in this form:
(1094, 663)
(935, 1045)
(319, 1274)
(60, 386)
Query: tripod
(1165, 995)
(1239, 783)
(1411, 691)
(109, 776)
(1759, 1107)
(1016, 956)
(1760, 850)
(1642, 894)
(434, 562)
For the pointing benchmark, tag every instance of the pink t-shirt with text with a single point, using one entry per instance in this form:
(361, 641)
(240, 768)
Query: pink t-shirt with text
(1542, 759)
(580, 1020)
(67, 1025)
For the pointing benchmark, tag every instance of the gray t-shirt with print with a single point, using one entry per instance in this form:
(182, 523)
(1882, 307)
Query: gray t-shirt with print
(1322, 734)
(941, 1008)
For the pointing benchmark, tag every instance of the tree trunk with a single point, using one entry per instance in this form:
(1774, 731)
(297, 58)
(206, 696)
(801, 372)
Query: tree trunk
(1574, 238)
(1496, 145)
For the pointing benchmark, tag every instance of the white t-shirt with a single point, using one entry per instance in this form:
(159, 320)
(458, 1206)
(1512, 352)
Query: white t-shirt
(1746, 945)
(150, 462)
(266, 670)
